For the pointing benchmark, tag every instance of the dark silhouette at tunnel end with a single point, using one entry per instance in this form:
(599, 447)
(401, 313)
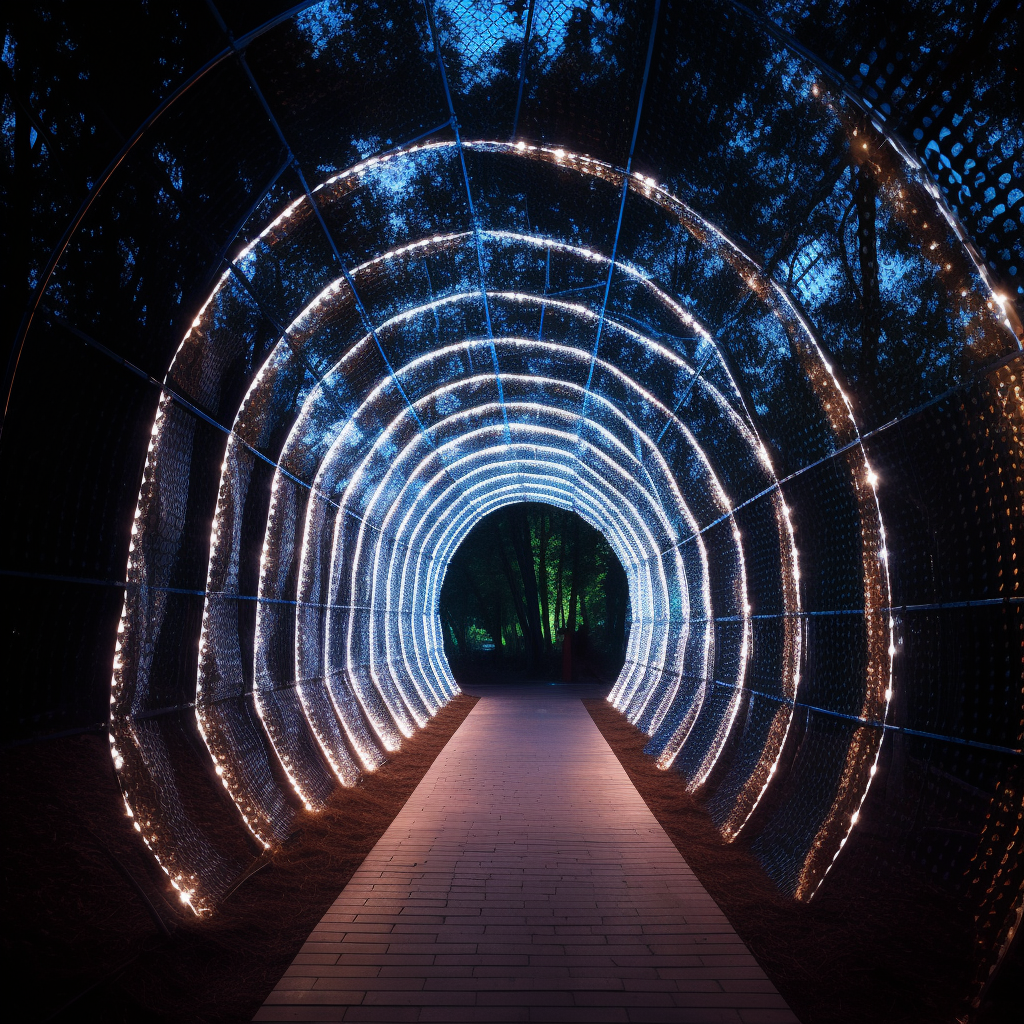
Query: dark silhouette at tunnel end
(535, 592)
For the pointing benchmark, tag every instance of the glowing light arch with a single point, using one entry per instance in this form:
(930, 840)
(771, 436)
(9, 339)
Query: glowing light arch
(411, 678)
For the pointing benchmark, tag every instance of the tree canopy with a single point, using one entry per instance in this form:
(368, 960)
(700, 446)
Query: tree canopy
(522, 578)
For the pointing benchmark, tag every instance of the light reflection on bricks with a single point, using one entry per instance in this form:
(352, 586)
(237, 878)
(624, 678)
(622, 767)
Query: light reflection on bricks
(526, 880)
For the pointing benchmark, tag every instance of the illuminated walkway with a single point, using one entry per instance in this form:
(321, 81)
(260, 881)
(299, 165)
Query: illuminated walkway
(525, 880)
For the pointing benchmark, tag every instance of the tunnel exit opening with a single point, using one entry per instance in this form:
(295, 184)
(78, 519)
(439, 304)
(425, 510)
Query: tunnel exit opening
(534, 591)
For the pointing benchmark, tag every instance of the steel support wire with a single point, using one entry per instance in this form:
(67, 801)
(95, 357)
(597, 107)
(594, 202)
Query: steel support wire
(873, 723)
(522, 70)
(80, 214)
(622, 210)
(860, 440)
(92, 581)
(311, 199)
(182, 401)
(317, 374)
(880, 124)
(314, 206)
(472, 210)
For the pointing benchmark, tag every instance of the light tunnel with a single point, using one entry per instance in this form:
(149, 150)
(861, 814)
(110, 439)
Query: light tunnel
(717, 306)
(451, 375)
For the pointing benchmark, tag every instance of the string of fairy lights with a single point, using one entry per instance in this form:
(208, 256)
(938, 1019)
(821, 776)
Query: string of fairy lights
(405, 462)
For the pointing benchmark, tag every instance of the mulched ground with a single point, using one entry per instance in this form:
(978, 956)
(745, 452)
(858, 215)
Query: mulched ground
(861, 951)
(79, 944)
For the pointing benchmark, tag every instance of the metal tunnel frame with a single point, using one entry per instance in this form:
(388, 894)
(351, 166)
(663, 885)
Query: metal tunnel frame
(646, 314)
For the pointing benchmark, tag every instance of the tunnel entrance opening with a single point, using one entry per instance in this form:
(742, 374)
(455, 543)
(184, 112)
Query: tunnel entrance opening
(534, 591)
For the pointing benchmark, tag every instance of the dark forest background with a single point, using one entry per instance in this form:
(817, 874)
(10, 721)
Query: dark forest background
(534, 590)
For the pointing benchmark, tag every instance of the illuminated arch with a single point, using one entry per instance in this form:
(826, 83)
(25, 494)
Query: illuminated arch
(402, 429)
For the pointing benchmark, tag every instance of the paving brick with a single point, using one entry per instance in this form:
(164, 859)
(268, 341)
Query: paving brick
(384, 1014)
(307, 1013)
(378, 984)
(453, 1014)
(526, 880)
(766, 1016)
(290, 997)
(682, 1015)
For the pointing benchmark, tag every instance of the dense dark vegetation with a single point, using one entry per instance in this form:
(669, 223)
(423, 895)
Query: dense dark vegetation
(527, 582)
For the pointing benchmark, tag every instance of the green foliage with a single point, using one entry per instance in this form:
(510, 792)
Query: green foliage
(522, 577)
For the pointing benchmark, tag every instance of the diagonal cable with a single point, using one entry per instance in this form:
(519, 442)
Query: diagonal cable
(982, 371)
(618, 227)
(314, 206)
(472, 211)
(93, 193)
(522, 70)
(622, 209)
(181, 400)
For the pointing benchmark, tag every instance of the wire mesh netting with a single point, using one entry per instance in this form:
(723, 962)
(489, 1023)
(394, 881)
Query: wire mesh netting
(378, 270)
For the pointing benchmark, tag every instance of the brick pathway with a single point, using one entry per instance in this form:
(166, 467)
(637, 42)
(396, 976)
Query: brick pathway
(525, 880)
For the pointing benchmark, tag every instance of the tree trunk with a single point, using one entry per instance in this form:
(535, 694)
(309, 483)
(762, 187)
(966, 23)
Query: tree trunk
(559, 616)
(513, 584)
(523, 549)
(865, 194)
(543, 581)
(570, 622)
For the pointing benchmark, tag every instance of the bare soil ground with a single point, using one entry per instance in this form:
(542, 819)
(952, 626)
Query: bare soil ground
(78, 941)
(861, 951)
